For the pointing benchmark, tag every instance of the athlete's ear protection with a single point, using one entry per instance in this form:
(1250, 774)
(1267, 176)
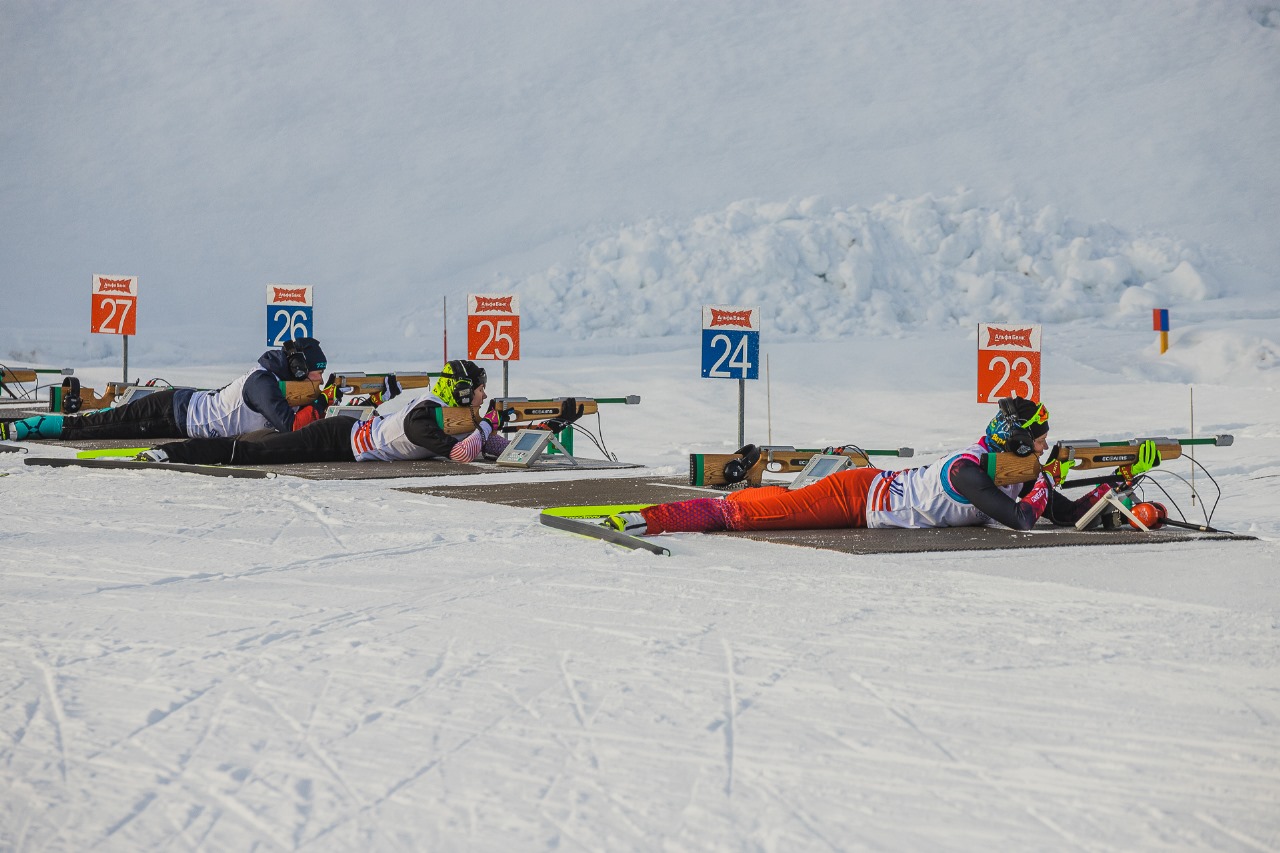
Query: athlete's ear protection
(462, 389)
(1020, 441)
(71, 395)
(736, 470)
(295, 360)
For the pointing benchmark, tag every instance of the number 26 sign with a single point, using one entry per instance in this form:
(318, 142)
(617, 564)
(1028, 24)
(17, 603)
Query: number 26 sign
(115, 303)
(493, 327)
(1008, 362)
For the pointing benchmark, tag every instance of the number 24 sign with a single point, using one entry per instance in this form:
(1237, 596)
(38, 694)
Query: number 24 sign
(115, 304)
(493, 327)
(730, 342)
(1008, 362)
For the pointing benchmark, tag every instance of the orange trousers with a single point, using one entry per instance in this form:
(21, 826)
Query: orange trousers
(839, 500)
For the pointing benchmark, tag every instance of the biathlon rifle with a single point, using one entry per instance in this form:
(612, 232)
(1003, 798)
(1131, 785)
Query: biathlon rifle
(750, 464)
(304, 391)
(1089, 454)
(460, 420)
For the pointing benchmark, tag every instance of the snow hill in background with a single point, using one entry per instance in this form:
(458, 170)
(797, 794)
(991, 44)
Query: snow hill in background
(823, 271)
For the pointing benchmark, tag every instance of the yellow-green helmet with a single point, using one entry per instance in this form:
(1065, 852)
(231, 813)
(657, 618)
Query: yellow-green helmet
(458, 381)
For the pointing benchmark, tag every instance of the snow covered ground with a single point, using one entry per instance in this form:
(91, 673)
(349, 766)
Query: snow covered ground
(192, 663)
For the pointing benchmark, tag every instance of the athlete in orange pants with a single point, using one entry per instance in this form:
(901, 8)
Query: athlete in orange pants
(955, 491)
(839, 500)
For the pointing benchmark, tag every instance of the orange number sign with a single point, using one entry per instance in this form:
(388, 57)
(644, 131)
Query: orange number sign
(493, 327)
(1008, 362)
(115, 302)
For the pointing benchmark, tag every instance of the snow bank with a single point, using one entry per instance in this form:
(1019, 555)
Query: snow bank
(820, 270)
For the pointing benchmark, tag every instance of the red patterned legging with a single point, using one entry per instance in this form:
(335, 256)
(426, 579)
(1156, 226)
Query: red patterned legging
(839, 500)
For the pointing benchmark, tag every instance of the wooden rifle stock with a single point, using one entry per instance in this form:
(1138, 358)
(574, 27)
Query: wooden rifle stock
(460, 420)
(707, 469)
(540, 410)
(304, 391)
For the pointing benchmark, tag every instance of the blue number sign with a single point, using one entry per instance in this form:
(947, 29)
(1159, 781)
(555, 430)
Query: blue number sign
(289, 313)
(730, 342)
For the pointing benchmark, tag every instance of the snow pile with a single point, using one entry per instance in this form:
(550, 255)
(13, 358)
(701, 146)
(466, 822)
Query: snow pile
(821, 270)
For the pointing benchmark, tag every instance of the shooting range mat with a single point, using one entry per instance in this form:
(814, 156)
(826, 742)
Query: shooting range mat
(640, 490)
(353, 470)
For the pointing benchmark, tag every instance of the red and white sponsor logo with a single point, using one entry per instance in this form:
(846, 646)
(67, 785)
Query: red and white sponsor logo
(491, 303)
(1004, 337)
(730, 317)
(123, 285)
(741, 319)
(289, 294)
(115, 285)
(504, 303)
(1009, 337)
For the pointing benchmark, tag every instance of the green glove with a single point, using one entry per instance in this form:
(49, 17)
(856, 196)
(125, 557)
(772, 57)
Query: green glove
(1058, 470)
(1148, 458)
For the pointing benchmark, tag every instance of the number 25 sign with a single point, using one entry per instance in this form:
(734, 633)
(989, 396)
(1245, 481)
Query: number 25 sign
(1008, 362)
(115, 303)
(493, 327)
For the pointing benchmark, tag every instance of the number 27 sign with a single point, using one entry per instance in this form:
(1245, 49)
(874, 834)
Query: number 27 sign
(1008, 362)
(115, 303)
(493, 327)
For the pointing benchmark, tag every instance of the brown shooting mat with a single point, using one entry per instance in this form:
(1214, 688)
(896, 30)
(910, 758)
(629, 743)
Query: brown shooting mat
(351, 470)
(640, 490)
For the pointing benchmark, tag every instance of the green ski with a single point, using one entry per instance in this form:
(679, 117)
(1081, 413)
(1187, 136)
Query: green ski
(572, 519)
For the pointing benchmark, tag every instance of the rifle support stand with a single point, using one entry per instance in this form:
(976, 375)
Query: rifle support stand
(531, 446)
(1110, 499)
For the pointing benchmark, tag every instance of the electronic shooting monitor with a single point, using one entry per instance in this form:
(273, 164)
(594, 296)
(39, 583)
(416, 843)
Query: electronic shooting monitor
(818, 467)
(525, 448)
(137, 392)
(360, 413)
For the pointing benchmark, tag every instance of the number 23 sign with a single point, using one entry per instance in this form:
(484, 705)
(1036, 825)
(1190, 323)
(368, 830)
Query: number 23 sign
(493, 327)
(115, 303)
(1008, 362)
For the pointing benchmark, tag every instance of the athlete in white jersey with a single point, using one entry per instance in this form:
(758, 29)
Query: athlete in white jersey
(252, 402)
(414, 432)
(925, 497)
(955, 491)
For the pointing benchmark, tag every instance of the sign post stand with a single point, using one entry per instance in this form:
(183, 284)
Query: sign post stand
(731, 350)
(1008, 362)
(114, 309)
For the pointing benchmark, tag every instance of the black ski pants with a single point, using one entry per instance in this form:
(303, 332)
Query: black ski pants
(328, 440)
(151, 416)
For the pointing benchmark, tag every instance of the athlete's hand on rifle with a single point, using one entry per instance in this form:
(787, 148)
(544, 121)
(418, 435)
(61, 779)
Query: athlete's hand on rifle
(1057, 469)
(390, 388)
(1148, 458)
(498, 417)
(330, 393)
(570, 411)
